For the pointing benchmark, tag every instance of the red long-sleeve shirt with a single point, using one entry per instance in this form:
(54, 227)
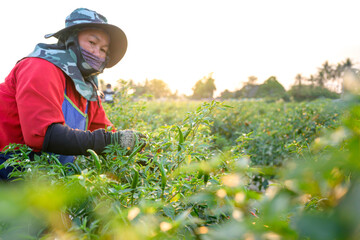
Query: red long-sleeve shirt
(31, 100)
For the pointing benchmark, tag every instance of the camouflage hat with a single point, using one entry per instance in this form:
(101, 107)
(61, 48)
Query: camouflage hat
(84, 18)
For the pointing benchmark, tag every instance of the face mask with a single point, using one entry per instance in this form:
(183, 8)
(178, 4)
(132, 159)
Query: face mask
(79, 55)
(94, 61)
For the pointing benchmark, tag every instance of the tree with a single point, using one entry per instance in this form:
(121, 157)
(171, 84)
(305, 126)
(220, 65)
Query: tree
(271, 89)
(226, 94)
(310, 92)
(248, 91)
(155, 87)
(251, 80)
(298, 79)
(335, 74)
(325, 74)
(204, 88)
(249, 88)
(139, 89)
(158, 88)
(347, 64)
(312, 80)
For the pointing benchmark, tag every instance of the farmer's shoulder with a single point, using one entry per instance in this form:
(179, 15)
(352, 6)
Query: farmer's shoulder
(35, 62)
(38, 68)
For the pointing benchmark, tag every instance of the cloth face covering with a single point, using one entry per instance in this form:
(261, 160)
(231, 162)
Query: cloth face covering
(66, 55)
(93, 60)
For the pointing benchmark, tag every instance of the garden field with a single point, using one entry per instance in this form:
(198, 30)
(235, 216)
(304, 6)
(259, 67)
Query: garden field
(210, 170)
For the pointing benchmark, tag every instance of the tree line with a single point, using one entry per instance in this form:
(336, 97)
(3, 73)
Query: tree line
(326, 82)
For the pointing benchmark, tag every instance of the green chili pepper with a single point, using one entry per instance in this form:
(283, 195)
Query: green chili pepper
(75, 168)
(187, 133)
(206, 178)
(181, 138)
(57, 161)
(163, 177)
(134, 183)
(201, 173)
(59, 164)
(96, 159)
(135, 179)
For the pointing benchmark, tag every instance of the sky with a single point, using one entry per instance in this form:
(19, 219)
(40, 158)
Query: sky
(180, 42)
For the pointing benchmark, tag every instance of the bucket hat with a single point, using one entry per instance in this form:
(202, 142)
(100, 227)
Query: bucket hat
(85, 18)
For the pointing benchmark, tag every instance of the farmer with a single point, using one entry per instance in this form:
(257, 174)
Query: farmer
(109, 94)
(50, 99)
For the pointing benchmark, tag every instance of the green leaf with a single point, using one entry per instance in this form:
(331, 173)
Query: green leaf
(169, 211)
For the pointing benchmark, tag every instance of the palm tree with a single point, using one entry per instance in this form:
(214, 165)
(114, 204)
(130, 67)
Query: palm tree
(251, 80)
(339, 75)
(326, 73)
(339, 70)
(298, 79)
(347, 64)
(320, 78)
(312, 80)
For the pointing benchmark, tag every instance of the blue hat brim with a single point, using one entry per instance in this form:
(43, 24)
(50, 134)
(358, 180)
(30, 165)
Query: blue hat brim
(118, 39)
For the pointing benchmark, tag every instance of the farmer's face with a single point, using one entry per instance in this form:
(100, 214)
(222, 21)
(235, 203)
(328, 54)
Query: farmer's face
(95, 41)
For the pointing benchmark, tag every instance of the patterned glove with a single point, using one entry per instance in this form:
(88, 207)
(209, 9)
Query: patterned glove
(128, 139)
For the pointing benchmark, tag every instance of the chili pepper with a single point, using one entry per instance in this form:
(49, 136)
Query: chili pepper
(59, 164)
(201, 173)
(135, 179)
(75, 168)
(96, 159)
(163, 177)
(206, 178)
(181, 138)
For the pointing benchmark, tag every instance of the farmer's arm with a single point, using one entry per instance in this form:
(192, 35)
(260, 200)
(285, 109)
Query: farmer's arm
(62, 139)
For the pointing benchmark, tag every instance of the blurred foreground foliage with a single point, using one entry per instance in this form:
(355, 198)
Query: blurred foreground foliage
(235, 170)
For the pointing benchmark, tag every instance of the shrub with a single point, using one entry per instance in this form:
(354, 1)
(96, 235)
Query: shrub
(309, 92)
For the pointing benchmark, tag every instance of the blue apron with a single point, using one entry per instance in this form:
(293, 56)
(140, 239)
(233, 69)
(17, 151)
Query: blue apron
(74, 118)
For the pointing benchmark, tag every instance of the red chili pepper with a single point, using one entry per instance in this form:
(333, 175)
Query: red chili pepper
(252, 213)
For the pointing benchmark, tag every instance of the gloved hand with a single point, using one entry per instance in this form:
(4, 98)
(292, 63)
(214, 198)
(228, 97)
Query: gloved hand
(128, 139)
(76, 142)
